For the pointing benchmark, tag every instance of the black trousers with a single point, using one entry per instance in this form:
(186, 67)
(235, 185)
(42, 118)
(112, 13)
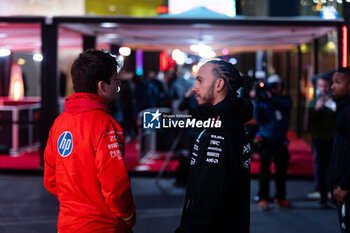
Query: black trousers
(322, 150)
(277, 151)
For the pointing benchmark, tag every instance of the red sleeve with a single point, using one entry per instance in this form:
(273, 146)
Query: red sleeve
(50, 166)
(112, 174)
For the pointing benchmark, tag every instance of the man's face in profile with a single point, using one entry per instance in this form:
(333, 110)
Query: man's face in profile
(204, 86)
(341, 85)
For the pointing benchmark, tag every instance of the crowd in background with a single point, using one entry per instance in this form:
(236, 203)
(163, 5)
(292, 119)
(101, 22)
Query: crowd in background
(172, 90)
(154, 90)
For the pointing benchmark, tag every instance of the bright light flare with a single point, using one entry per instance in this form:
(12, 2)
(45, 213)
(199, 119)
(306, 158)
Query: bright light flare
(224, 51)
(311, 93)
(195, 68)
(207, 54)
(179, 56)
(16, 91)
(233, 61)
(38, 57)
(125, 51)
(109, 25)
(21, 61)
(4, 52)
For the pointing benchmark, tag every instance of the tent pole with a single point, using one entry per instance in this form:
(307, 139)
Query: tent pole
(288, 71)
(49, 81)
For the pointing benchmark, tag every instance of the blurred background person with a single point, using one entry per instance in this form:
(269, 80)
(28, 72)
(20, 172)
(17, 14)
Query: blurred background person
(272, 113)
(182, 81)
(158, 89)
(126, 107)
(190, 104)
(322, 124)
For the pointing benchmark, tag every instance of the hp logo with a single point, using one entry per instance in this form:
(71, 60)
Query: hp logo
(65, 144)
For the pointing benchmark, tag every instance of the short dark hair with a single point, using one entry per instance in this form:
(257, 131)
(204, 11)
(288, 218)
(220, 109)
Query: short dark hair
(325, 78)
(92, 66)
(344, 70)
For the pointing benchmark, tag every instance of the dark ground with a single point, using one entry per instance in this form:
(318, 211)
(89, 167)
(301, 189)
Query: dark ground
(25, 206)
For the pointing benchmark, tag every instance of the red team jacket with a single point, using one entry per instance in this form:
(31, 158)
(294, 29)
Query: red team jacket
(84, 168)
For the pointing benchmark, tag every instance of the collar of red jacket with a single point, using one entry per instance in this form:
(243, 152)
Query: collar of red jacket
(84, 102)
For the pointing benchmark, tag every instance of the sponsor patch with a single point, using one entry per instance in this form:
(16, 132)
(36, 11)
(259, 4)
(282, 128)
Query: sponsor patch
(112, 146)
(246, 149)
(214, 143)
(217, 137)
(110, 132)
(246, 163)
(213, 154)
(112, 138)
(211, 160)
(65, 144)
(214, 148)
(193, 161)
(116, 153)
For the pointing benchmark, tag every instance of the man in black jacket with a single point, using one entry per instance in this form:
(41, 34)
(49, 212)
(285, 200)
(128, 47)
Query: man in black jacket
(218, 190)
(340, 160)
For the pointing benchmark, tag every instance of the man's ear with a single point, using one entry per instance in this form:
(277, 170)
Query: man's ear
(220, 85)
(100, 87)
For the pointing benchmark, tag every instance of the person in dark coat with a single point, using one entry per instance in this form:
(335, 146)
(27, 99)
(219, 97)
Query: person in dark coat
(272, 114)
(322, 124)
(218, 190)
(340, 159)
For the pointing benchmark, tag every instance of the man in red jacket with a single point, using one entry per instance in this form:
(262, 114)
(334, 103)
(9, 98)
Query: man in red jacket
(84, 164)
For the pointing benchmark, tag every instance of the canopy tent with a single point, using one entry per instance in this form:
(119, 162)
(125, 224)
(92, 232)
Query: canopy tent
(196, 26)
(239, 34)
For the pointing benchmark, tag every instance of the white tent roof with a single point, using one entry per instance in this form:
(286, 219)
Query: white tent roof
(238, 34)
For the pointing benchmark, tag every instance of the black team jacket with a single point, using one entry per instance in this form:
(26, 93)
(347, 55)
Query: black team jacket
(340, 159)
(218, 189)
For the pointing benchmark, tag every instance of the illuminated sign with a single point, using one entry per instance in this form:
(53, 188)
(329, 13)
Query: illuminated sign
(225, 7)
(345, 47)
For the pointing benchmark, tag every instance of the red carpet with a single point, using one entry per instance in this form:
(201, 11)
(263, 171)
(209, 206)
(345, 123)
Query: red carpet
(300, 163)
(149, 163)
(24, 161)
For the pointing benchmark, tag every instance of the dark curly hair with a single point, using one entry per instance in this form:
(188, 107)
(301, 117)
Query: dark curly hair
(92, 66)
